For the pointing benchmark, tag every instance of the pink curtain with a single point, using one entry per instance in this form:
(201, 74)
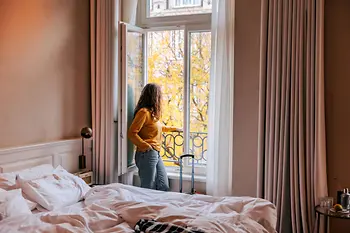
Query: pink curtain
(103, 25)
(292, 153)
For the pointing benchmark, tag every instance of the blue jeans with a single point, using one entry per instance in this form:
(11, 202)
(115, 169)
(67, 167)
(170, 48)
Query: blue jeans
(152, 170)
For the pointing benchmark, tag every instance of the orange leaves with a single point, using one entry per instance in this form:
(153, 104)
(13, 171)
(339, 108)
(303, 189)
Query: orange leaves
(166, 67)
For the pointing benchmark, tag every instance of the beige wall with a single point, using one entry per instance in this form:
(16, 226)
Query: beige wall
(44, 70)
(337, 85)
(246, 96)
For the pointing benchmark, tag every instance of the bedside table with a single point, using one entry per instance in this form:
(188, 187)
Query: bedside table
(87, 176)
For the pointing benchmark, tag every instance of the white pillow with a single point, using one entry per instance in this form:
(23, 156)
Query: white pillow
(31, 205)
(13, 204)
(8, 180)
(54, 191)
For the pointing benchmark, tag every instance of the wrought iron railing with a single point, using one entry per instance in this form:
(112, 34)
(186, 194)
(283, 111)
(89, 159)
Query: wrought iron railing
(172, 146)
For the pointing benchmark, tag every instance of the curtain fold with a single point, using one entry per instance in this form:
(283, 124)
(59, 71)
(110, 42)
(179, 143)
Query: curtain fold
(220, 137)
(103, 70)
(129, 9)
(292, 151)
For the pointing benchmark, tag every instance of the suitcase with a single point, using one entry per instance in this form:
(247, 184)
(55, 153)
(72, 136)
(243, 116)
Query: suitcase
(193, 191)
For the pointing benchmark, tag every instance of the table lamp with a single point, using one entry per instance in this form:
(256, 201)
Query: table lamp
(85, 133)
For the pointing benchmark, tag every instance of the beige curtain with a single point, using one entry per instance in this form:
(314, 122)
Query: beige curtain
(104, 71)
(220, 165)
(129, 10)
(292, 153)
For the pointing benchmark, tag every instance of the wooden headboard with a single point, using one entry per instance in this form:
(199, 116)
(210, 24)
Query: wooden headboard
(63, 152)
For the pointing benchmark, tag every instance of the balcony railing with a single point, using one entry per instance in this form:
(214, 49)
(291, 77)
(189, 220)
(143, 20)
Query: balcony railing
(172, 146)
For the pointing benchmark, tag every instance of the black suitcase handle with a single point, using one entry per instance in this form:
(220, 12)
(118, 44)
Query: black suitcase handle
(192, 175)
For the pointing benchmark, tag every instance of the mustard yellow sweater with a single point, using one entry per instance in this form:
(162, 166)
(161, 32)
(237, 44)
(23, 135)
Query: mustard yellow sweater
(145, 132)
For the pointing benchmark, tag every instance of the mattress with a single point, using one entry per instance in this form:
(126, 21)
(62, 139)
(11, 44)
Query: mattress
(118, 208)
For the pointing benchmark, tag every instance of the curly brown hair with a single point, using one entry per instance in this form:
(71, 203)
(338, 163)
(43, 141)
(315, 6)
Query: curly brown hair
(151, 98)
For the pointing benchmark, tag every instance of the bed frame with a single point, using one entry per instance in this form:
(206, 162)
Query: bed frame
(63, 152)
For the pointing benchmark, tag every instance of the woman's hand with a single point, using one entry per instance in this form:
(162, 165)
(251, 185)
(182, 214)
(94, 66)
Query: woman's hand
(147, 149)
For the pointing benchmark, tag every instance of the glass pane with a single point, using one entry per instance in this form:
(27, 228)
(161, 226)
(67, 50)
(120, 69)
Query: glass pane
(166, 68)
(135, 80)
(200, 53)
(159, 8)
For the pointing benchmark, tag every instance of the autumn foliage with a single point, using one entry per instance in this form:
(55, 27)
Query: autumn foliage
(166, 66)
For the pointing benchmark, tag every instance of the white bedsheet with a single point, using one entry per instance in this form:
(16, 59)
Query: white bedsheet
(75, 208)
(117, 208)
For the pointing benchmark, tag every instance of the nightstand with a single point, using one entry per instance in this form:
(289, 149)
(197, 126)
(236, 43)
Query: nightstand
(87, 176)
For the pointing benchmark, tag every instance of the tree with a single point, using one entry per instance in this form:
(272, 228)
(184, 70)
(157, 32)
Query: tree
(166, 67)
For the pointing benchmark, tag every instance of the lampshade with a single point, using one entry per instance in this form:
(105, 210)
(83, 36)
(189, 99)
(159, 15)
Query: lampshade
(86, 132)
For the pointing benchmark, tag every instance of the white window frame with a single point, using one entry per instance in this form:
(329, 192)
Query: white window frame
(123, 100)
(188, 23)
(199, 170)
(186, 5)
(145, 21)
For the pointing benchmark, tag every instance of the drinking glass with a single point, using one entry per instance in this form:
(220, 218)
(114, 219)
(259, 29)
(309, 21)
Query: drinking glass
(326, 202)
(323, 202)
(329, 202)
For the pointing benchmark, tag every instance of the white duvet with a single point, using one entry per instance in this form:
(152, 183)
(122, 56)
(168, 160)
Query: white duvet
(117, 208)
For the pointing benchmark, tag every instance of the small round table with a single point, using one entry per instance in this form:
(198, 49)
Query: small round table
(325, 211)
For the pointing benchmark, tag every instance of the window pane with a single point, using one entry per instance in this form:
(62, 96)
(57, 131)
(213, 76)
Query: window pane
(166, 68)
(158, 8)
(200, 51)
(134, 79)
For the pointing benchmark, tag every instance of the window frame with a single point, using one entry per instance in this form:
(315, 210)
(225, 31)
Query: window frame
(188, 23)
(186, 5)
(188, 29)
(123, 100)
(144, 21)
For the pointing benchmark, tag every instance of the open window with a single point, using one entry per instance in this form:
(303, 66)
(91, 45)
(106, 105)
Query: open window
(132, 81)
(177, 58)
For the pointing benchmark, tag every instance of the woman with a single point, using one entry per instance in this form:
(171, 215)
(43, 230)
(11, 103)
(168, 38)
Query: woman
(145, 133)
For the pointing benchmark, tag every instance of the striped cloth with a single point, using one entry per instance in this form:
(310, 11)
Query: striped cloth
(151, 226)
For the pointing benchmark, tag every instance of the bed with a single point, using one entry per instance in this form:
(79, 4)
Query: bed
(47, 198)
(122, 208)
